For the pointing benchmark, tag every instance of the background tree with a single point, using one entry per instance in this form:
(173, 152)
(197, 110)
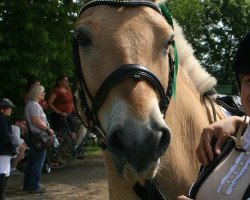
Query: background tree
(35, 40)
(214, 28)
(36, 36)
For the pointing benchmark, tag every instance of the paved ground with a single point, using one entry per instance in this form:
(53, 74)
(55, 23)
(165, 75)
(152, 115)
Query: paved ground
(83, 179)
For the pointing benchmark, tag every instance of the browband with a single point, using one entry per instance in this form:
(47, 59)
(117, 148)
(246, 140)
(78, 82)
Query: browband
(118, 3)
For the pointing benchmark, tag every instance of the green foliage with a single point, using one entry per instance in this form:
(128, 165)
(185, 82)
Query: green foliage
(36, 36)
(92, 150)
(214, 28)
(35, 40)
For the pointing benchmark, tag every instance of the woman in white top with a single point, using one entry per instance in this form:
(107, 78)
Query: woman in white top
(37, 121)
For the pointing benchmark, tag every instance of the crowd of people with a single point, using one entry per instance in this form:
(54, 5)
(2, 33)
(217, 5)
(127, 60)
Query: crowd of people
(15, 138)
(228, 178)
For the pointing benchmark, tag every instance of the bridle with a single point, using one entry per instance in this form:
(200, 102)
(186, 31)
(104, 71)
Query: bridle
(134, 71)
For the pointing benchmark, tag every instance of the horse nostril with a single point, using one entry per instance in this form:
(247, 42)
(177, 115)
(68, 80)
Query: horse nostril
(138, 148)
(115, 144)
(163, 142)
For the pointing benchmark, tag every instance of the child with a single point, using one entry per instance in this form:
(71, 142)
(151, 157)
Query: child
(7, 147)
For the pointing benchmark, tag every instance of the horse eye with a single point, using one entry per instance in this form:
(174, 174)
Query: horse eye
(171, 41)
(168, 43)
(84, 40)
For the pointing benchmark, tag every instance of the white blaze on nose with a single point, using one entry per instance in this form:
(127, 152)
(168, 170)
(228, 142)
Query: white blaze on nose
(121, 111)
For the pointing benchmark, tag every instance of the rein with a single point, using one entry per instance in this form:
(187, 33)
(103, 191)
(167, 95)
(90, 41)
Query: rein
(207, 95)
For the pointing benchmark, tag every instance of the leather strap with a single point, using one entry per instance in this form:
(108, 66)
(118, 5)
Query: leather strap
(119, 3)
(134, 71)
(151, 190)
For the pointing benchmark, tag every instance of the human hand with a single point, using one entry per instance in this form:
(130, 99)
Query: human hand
(22, 148)
(50, 131)
(221, 131)
(63, 114)
(182, 197)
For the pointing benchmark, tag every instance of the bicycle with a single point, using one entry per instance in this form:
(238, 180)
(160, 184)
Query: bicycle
(61, 156)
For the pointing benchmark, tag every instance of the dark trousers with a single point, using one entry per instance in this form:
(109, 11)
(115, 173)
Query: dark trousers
(58, 122)
(3, 180)
(33, 170)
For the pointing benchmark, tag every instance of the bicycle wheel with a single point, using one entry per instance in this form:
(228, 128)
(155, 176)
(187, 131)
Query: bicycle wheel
(60, 157)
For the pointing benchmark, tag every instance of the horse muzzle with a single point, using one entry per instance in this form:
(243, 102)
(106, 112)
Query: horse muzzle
(136, 148)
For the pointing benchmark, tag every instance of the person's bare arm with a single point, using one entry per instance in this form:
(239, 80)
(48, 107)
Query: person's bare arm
(51, 100)
(40, 124)
(221, 131)
(182, 197)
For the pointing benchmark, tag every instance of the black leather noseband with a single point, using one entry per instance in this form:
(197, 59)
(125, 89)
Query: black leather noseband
(135, 72)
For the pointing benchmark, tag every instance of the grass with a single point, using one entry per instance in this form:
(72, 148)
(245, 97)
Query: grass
(92, 150)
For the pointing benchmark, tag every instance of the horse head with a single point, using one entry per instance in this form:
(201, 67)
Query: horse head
(123, 59)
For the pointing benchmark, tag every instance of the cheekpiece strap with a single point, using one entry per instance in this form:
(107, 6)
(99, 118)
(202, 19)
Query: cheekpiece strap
(169, 19)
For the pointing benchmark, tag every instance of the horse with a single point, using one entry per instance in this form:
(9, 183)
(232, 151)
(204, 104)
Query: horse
(148, 116)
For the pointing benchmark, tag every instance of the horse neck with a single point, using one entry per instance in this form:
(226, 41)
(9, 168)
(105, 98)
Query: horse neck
(186, 117)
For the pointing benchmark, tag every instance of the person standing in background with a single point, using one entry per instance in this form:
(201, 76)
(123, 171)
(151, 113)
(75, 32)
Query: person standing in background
(36, 122)
(42, 102)
(62, 108)
(61, 103)
(7, 146)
